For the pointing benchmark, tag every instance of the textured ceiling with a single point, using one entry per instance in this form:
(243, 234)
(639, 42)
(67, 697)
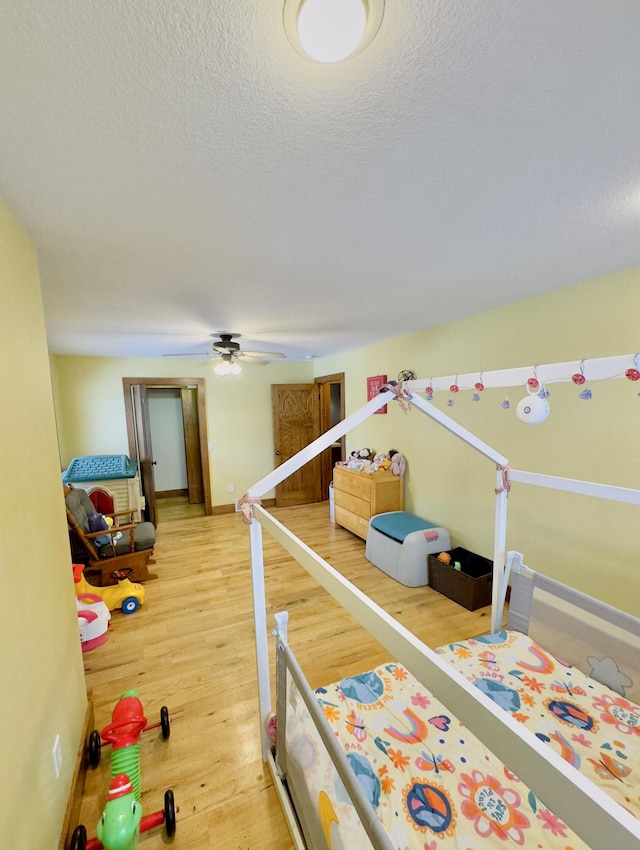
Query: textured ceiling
(182, 170)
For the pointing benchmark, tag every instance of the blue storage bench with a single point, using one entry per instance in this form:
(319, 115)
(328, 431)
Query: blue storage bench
(399, 543)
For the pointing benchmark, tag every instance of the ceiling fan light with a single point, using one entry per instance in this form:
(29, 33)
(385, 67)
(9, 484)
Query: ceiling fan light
(223, 368)
(236, 368)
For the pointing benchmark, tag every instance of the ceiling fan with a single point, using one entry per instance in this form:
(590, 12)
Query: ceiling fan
(228, 351)
(227, 345)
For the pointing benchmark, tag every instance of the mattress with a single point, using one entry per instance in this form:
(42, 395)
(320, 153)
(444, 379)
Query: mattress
(431, 783)
(594, 728)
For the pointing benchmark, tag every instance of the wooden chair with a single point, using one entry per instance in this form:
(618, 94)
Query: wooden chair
(131, 550)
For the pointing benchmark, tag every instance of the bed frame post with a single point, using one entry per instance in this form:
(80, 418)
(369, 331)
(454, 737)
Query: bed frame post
(499, 552)
(260, 625)
(500, 532)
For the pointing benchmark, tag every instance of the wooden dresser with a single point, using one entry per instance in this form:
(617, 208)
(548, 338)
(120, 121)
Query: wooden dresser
(358, 496)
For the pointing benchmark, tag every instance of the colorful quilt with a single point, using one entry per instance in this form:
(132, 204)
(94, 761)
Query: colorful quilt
(593, 728)
(433, 785)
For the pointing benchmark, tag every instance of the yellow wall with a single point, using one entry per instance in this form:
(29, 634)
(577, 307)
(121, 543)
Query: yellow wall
(584, 541)
(90, 412)
(43, 690)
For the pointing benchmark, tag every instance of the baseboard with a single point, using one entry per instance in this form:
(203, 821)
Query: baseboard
(74, 803)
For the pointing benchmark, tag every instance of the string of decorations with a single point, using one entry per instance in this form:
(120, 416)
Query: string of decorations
(534, 407)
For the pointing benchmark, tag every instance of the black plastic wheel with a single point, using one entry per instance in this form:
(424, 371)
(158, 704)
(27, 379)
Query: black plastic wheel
(169, 814)
(94, 750)
(165, 722)
(79, 838)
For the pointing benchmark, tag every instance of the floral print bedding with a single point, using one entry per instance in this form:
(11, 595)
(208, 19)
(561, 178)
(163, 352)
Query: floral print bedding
(593, 728)
(434, 785)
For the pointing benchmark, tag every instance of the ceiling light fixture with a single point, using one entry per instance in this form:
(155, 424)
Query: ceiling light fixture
(329, 31)
(227, 366)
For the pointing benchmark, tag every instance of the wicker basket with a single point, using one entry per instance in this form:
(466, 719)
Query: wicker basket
(470, 586)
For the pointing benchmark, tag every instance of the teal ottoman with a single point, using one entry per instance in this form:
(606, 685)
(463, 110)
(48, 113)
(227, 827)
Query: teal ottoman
(399, 543)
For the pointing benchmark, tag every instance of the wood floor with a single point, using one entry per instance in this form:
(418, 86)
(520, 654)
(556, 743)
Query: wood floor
(190, 647)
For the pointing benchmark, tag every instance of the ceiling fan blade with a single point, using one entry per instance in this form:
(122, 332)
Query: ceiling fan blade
(263, 355)
(193, 354)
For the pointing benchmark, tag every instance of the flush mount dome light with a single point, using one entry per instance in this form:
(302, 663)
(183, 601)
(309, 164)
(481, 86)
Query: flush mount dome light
(331, 30)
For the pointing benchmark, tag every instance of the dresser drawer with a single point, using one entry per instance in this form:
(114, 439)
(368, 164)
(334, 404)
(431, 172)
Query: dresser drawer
(353, 504)
(355, 483)
(358, 496)
(352, 522)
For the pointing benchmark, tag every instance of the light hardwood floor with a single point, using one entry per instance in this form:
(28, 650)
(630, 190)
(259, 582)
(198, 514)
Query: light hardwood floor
(190, 647)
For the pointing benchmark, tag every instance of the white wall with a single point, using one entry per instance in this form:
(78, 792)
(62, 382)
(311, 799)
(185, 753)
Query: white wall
(167, 438)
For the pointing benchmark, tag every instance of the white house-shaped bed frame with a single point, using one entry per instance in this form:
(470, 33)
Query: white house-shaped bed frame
(594, 816)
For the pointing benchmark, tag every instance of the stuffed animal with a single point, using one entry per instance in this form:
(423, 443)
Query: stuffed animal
(381, 461)
(99, 522)
(361, 460)
(398, 463)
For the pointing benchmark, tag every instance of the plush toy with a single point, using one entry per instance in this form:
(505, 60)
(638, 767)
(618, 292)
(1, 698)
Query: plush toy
(100, 522)
(398, 463)
(361, 465)
(361, 460)
(381, 462)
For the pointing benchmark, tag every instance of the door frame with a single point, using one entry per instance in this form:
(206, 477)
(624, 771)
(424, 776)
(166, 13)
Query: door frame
(199, 384)
(326, 465)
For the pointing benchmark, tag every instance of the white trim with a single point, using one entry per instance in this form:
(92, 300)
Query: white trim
(499, 552)
(571, 485)
(260, 625)
(597, 369)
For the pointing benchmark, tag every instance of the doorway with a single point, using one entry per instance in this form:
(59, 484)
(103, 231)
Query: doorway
(301, 412)
(169, 444)
(332, 411)
(194, 428)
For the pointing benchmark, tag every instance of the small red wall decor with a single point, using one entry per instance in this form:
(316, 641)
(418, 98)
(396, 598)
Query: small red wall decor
(374, 385)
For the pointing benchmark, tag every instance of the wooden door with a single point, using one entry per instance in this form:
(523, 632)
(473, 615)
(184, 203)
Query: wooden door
(190, 425)
(296, 422)
(144, 449)
(197, 444)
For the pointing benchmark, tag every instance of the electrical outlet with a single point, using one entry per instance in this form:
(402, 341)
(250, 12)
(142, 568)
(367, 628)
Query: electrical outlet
(230, 488)
(57, 756)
